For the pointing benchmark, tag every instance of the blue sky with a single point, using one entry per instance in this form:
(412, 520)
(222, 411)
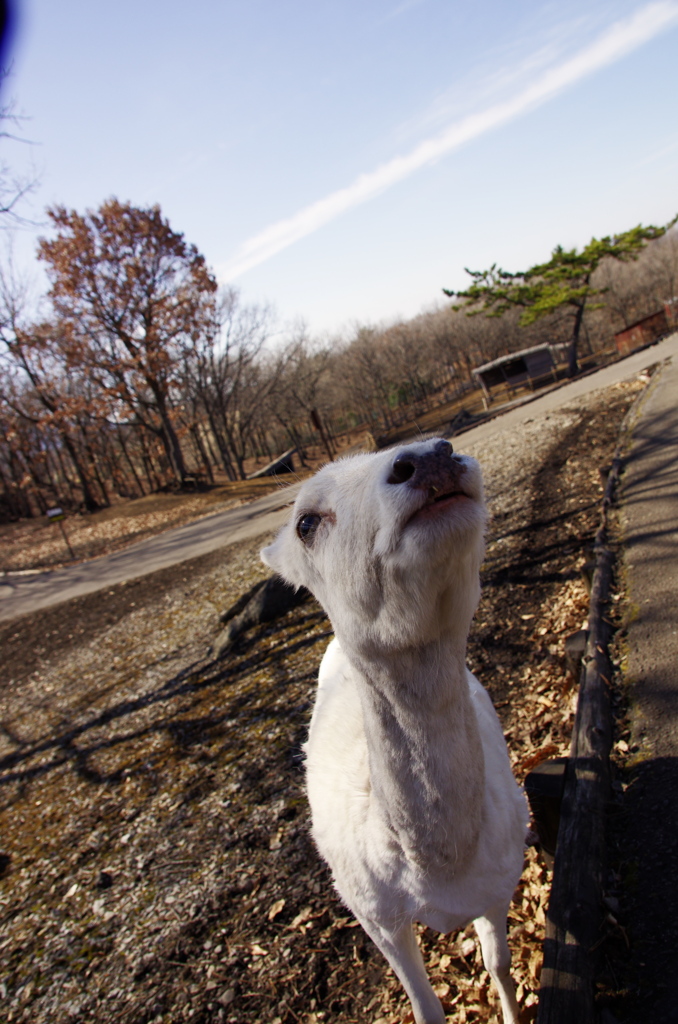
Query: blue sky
(345, 160)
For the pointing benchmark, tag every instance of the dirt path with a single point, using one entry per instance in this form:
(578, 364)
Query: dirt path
(21, 594)
(155, 855)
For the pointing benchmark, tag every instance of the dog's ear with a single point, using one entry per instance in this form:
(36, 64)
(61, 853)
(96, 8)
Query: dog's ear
(281, 558)
(270, 555)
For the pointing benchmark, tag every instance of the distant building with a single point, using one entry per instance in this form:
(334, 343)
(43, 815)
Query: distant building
(534, 366)
(644, 331)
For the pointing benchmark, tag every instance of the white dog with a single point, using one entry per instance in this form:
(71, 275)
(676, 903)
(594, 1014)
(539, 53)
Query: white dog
(413, 801)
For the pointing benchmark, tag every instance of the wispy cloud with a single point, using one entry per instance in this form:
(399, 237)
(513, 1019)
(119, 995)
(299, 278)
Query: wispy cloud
(616, 42)
(657, 155)
(401, 8)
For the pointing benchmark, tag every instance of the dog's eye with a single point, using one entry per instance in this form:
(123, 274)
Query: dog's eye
(307, 526)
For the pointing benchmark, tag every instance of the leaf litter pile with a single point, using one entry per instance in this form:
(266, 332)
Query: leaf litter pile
(155, 857)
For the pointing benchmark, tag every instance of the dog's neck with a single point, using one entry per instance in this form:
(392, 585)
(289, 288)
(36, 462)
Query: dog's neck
(425, 755)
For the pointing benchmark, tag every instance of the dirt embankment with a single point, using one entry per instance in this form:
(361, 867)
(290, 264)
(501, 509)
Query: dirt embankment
(155, 852)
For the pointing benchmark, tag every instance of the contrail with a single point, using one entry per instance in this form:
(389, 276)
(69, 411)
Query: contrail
(620, 39)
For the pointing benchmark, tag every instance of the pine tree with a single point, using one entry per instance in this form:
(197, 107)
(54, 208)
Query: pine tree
(562, 283)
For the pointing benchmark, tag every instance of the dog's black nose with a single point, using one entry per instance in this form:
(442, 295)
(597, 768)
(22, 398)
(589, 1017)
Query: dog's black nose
(443, 447)
(409, 463)
(403, 468)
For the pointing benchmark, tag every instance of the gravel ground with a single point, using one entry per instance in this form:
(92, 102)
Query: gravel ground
(156, 863)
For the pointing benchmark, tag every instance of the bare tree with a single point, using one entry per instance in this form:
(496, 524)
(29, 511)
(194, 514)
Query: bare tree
(301, 398)
(37, 386)
(14, 186)
(229, 377)
(662, 262)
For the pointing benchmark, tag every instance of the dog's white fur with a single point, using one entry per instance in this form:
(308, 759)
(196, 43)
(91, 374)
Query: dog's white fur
(413, 801)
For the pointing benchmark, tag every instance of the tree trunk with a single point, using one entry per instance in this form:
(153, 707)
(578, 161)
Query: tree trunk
(207, 441)
(262, 441)
(154, 482)
(195, 433)
(17, 500)
(65, 475)
(129, 462)
(170, 440)
(330, 434)
(53, 485)
(297, 442)
(38, 486)
(317, 423)
(113, 465)
(94, 463)
(239, 461)
(223, 450)
(89, 501)
(572, 363)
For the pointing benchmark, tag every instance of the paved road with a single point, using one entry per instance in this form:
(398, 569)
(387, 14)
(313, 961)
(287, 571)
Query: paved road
(650, 825)
(650, 519)
(21, 594)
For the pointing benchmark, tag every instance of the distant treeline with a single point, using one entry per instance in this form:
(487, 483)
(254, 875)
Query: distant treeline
(143, 375)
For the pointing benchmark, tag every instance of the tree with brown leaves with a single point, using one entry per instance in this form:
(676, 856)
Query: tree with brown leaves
(131, 296)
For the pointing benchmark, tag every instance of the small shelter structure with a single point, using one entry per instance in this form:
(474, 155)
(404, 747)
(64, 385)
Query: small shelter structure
(533, 366)
(282, 464)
